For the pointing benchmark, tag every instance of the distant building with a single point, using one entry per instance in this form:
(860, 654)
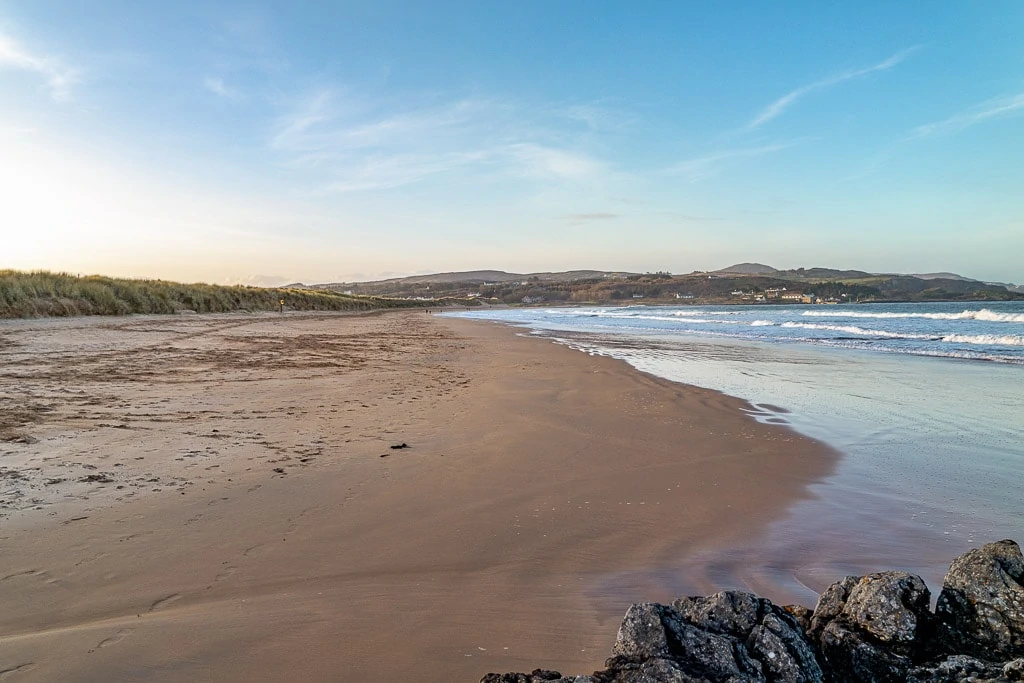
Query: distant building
(532, 299)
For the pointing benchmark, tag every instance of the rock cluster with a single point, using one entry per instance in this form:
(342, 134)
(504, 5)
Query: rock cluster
(877, 628)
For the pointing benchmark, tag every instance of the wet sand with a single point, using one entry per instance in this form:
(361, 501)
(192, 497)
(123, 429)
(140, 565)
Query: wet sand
(216, 498)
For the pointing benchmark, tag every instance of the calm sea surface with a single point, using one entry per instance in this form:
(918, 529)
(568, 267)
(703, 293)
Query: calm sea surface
(925, 401)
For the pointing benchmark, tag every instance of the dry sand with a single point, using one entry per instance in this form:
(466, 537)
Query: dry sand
(204, 498)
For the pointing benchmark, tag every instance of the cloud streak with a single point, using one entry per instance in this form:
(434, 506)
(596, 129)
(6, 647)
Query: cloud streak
(780, 105)
(218, 87)
(361, 145)
(58, 78)
(698, 168)
(388, 171)
(986, 111)
(587, 217)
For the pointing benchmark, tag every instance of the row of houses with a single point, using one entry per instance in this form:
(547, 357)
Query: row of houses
(782, 294)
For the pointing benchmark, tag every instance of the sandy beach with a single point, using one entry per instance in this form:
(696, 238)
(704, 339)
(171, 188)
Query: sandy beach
(217, 498)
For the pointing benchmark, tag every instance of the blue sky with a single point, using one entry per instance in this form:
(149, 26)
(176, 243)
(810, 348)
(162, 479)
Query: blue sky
(325, 141)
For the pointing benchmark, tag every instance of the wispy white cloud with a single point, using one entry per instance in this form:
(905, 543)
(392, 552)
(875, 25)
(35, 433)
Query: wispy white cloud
(218, 87)
(384, 171)
(58, 77)
(335, 120)
(546, 162)
(365, 145)
(293, 130)
(708, 165)
(404, 127)
(996, 108)
(694, 218)
(387, 171)
(780, 105)
(596, 117)
(980, 113)
(588, 217)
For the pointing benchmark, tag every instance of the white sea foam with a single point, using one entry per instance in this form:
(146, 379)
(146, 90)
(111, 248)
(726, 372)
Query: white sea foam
(860, 331)
(990, 339)
(983, 314)
(920, 329)
(665, 318)
(689, 313)
(931, 352)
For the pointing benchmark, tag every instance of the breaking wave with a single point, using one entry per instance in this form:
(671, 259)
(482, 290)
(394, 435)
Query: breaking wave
(852, 329)
(969, 331)
(983, 314)
(667, 318)
(990, 339)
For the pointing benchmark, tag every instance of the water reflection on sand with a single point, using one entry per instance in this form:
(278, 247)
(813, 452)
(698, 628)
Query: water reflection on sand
(933, 462)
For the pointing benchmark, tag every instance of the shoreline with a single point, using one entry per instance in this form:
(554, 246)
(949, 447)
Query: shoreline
(923, 476)
(533, 472)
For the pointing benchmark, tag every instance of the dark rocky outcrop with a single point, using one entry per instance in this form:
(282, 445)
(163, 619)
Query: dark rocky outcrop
(536, 676)
(981, 607)
(872, 627)
(865, 629)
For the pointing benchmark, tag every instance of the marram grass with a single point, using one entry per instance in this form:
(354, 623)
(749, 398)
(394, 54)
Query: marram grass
(41, 293)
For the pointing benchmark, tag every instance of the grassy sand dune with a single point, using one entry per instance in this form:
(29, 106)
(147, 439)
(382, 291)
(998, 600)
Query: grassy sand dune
(41, 293)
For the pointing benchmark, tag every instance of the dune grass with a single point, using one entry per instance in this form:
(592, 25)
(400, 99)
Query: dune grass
(42, 294)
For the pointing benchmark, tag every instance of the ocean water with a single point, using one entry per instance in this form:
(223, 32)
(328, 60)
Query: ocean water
(924, 401)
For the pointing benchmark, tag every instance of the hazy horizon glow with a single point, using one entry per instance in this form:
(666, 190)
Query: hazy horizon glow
(318, 142)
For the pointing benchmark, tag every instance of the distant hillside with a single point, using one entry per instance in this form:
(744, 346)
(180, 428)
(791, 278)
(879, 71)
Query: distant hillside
(39, 294)
(472, 277)
(468, 276)
(748, 269)
(740, 283)
(572, 275)
(437, 284)
(935, 287)
(823, 274)
(941, 276)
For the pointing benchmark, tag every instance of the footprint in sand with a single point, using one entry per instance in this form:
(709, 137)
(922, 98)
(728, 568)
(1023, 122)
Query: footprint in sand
(225, 573)
(250, 549)
(13, 671)
(115, 639)
(40, 574)
(164, 602)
